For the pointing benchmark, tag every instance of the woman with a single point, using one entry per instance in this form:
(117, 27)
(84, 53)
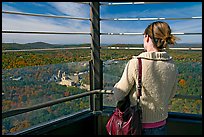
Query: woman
(159, 78)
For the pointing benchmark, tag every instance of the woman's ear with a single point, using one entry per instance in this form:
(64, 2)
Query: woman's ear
(147, 38)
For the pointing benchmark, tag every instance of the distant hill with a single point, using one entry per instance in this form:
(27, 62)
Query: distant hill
(17, 46)
(43, 45)
(37, 45)
(125, 45)
(194, 45)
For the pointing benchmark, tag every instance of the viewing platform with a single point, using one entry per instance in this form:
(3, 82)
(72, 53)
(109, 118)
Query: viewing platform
(78, 99)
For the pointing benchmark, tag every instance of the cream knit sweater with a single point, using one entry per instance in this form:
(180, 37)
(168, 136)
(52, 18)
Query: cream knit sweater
(159, 80)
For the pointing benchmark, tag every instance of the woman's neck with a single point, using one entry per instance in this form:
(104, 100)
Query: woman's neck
(152, 49)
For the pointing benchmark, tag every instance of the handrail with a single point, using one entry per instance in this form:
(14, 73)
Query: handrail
(139, 33)
(42, 15)
(87, 33)
(102, 47)
(129, 3)
(189, 48)
(69, 98)
(50, 103)
(45, 32)
(140, 48)
(147, 19)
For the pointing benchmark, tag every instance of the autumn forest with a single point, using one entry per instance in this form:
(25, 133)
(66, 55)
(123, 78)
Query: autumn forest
(28, 79)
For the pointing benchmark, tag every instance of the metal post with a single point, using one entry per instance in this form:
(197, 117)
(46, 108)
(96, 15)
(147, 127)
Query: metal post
(96, 73)
(97, 79)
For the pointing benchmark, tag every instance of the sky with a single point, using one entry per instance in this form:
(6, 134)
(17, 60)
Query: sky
(74, 9)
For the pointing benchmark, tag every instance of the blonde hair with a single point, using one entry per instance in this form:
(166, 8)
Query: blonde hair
(160, 33)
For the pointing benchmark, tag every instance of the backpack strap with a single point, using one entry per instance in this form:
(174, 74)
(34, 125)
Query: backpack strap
(139, 78)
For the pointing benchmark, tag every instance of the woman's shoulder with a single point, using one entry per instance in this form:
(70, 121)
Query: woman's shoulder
(133, 59)
(133, 62)
(141, 55)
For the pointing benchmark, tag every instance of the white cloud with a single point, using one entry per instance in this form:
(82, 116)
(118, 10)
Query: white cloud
(28, 23)
(139, 26)
(149, 11)
(71, 9)
(187, 26)
(8, 8)
(25, 23)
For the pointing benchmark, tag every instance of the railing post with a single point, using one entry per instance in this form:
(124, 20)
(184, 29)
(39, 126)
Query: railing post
(96, 65)
(97, 77)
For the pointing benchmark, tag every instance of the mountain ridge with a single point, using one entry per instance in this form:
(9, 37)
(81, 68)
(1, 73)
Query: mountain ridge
(40, 45)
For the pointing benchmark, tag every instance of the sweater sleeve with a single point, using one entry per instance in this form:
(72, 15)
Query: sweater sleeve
(126, 82)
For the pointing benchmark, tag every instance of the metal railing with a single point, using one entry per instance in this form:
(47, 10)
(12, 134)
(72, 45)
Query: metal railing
(69, 98)
(95, 49)
(132, 33)
(100, 19)
(129, 3)
(102, 47)
(42, 15)
(46, 32)
(147, 19)
(140, 48)
(50, 103)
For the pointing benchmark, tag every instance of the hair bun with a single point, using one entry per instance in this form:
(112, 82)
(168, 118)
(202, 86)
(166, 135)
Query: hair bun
(167, 39)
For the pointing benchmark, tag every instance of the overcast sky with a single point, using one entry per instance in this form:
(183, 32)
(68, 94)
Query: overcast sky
(31, 23)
